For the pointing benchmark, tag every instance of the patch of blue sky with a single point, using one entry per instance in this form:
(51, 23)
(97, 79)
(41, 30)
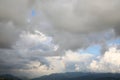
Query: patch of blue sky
(113, 42)
(93, 49)
(33, 12)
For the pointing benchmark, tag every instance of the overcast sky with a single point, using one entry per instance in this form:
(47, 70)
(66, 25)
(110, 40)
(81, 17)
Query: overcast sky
(78, 35)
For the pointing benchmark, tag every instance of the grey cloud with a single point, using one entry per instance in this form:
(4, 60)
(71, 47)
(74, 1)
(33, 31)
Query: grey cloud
(13, 18)
(82, 15)
(8, 34)
(74, 20)
(14, 10)
(12, 60)
(70, 18)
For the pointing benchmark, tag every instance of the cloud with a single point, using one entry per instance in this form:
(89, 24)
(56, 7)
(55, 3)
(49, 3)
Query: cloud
(74, 20)
(29, 48)
(14, 10)
(64, 20)
(8, 34)
(13, 19)
(35, 41)
(80, 62)
(108, 63)
(69, 15)
(66, 64)
(82, 16)
(25, 63)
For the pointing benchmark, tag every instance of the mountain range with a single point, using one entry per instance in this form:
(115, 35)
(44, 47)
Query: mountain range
(69, 76)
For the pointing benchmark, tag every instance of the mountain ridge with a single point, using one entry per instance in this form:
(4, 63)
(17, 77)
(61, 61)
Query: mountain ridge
(68, 76)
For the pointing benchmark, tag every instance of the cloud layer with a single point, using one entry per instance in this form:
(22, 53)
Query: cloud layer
(82, 15)
(34, 65)
(69, 19)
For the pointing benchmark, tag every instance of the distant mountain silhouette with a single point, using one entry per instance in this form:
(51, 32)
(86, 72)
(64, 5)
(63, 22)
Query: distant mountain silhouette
(80, 76)
(8, 77)
(69, 76)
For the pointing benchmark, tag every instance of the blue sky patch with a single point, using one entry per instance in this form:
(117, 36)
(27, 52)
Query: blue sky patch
(93, 49)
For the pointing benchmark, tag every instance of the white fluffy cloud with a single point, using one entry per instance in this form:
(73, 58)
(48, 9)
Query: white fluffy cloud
(75, 61)
(107, 63)
(69, 62)
(35, 65)
(35, 41)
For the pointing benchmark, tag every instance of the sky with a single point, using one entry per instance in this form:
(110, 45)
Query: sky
(78, 35)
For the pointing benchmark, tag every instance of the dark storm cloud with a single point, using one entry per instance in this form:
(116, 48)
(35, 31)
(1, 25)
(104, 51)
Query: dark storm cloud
(73, 17)
(8, 34)
(13, 10)
(117, 30)
(13, 18)
(12, 60)
(74, 20)
(82, 15)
